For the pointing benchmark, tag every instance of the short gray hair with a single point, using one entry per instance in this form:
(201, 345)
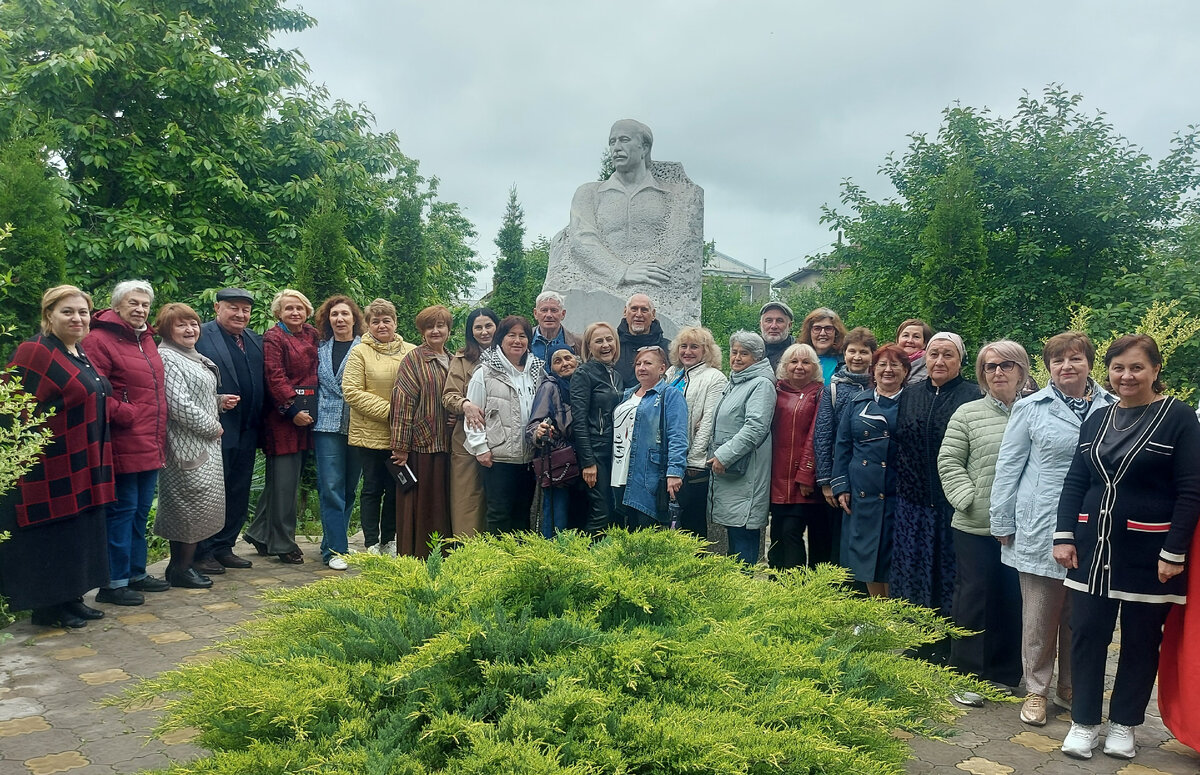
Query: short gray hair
(126, 287)
(549, 296)
(750, 341)
(639, 293)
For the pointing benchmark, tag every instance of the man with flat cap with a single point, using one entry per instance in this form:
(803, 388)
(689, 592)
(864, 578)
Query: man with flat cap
(238, 353)
(775, 324)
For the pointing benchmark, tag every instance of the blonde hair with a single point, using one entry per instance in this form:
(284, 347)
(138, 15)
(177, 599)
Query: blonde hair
(590, 332)
(277, 302)
(696, 335)
(796, 350)
(1009, 351)
(54, 296)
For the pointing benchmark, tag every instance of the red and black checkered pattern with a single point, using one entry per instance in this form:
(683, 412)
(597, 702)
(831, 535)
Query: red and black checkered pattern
(75, 471)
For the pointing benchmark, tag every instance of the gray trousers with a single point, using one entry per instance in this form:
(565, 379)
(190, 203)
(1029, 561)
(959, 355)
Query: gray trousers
(1046, 631)
(275, 515)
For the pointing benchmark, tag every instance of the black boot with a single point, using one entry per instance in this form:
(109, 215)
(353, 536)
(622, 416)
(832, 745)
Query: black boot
(56, 615)
(188, 579)
(82, 610)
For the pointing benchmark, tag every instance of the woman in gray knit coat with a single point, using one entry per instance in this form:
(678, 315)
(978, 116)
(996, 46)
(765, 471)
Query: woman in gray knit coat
(191, 490)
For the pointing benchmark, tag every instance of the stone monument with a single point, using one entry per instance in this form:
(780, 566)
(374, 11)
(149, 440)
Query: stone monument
(639, 231)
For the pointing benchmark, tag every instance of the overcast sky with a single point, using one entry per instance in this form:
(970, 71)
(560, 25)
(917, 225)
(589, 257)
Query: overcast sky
(768, 105)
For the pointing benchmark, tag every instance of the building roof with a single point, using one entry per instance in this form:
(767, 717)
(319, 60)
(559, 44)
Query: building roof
(805, 274)
(725, 265)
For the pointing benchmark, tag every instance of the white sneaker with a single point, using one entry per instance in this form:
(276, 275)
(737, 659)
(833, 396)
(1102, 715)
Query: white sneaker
(390, 548)
(337, 563)
(970, 699)
(1081, 740)
(374, 549)
(1120, 741)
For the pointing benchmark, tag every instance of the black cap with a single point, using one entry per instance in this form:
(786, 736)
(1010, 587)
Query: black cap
(779, 305)
(235, 294)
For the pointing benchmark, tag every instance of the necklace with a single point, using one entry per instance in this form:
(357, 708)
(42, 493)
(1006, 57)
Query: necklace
(1130, 425)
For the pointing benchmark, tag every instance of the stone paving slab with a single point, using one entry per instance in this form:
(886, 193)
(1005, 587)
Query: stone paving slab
(51, 683)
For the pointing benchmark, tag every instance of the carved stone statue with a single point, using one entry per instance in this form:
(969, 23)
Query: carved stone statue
(639, 231)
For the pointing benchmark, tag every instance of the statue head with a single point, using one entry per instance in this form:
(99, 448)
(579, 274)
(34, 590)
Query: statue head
(629, 143)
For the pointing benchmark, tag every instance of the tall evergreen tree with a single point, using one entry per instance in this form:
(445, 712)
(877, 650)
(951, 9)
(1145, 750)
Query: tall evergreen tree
(35, 255)
(954, 261)
(324, 255)
(508, 278)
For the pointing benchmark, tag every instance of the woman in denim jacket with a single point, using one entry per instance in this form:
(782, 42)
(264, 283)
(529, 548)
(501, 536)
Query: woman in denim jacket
(641, 456)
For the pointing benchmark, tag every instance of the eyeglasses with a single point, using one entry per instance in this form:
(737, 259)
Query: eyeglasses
(1005, 366)
(649, 347)
(822, 329)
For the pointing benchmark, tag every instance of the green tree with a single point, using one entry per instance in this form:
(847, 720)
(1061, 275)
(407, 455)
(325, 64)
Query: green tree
(723, 310)
(192, 149)
(34, 256)
(537, 262)
(509, 276)
(1068, 206)
(325, 254)
(426, 254)
(954, 259)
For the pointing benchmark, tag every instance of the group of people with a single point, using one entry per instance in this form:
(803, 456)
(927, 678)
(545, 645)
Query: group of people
(1031, 516)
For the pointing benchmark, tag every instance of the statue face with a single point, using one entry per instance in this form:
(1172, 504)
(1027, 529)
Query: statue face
(625, 146)
(639, 314)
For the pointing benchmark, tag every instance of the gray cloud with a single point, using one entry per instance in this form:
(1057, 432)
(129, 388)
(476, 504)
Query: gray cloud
(769, 105)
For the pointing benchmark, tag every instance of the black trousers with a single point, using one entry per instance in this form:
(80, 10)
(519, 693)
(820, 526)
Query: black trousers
(789, 522)
(238, 465)
(509, 488)
(601, 510)
(377, 502)
(693, 502)
(1093, 619)
(987, 599)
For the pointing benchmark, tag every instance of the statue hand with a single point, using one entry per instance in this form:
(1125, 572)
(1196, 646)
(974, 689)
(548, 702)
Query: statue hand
(641, 274)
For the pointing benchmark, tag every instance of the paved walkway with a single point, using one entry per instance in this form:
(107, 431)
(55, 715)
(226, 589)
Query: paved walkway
(51, 680)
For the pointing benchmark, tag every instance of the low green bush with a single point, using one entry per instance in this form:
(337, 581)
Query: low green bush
(641, 653)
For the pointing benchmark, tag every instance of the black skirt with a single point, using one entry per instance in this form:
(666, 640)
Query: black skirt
(52, 563)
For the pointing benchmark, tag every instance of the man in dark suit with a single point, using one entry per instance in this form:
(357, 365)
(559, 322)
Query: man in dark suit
(238, 353)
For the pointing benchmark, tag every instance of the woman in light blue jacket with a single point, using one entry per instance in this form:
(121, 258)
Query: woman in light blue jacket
(1035, 454)
(341, 325)
(740, 494)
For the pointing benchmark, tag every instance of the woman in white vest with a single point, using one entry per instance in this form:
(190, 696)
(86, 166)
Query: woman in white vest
(504, 386)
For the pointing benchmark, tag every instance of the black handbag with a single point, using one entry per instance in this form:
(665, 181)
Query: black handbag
(556, 466)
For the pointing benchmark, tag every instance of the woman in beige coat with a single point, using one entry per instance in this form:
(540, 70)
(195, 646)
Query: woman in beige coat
(367, 387)
(467, 502)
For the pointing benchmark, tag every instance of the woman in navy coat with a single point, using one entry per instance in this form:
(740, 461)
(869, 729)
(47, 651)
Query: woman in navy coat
(864, 474)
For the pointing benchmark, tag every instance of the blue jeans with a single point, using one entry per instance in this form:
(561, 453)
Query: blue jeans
(556, 510)
(743, 544)
(338, 469)
(127, 527)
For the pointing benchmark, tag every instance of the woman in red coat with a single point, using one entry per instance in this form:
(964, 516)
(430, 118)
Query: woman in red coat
(290, 377)
(121, 346)
(794, 504)
(54, 515)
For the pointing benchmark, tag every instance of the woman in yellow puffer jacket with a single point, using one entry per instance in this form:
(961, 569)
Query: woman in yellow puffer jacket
(367, 387)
